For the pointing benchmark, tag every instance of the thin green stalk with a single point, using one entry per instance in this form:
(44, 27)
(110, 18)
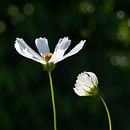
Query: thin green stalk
(53, 100)
(108, 114)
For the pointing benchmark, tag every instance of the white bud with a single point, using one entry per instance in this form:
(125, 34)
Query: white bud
(86, 84)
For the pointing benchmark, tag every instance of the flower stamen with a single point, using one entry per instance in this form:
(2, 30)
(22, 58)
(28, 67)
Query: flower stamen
(47, 56)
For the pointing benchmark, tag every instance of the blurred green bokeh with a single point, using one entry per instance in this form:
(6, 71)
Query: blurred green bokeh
(25, 100)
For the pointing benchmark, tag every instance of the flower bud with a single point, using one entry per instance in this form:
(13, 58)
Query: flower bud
(86, 84)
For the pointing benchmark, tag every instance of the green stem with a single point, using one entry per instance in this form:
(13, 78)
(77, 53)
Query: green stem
(53, 100)
(108, 114)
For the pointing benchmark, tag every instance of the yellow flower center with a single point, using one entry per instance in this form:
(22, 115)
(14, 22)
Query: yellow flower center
(47, 56)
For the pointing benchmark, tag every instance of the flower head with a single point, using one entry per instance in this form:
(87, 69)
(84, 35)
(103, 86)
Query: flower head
(46, 56)
(86, 84)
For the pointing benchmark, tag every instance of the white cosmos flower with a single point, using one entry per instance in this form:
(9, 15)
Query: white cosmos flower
(86, 84)
(44, 55)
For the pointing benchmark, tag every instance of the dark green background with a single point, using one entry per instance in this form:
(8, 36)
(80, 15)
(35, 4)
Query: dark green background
(25, 100)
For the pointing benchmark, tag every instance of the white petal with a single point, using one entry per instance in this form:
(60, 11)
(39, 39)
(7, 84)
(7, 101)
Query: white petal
(75, 50)
(93, 78)
(81, 85)
(23, 49)
(60, 49)
(85, 79)
(80, 92)
(63, 44)
(42, 45)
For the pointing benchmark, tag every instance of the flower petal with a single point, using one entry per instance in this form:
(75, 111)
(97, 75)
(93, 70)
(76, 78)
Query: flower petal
(75, 50)
(94, 78)
(42, 45)
(60, 49)
(80, 92)
(85, 79)
(80, 84)
(23, 49)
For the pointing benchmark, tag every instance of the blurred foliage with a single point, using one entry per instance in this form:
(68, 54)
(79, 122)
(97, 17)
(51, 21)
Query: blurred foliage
(25, 101)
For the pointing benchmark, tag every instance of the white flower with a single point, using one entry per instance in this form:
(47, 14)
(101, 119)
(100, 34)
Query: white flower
(86, 84)
(43, 48)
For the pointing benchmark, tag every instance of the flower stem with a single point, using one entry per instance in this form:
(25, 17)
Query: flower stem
(53, 100)
(108, 114)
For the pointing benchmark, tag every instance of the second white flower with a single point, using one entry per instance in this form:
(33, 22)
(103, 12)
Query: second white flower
(86, 84)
